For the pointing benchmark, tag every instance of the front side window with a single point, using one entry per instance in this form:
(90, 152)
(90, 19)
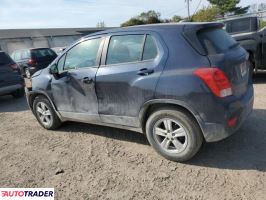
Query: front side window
(83, 54)
(124, 49)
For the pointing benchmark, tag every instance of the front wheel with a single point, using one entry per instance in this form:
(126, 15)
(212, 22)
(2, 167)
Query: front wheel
(45, 113)
(174, 134)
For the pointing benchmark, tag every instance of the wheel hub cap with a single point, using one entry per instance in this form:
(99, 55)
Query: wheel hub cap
(170, 135)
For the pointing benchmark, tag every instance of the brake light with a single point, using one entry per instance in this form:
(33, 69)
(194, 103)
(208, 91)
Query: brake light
(14, 66)
(216, 80)
(32, 62)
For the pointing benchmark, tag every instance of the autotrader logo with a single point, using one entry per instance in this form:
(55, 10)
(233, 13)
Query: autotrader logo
(27, 193)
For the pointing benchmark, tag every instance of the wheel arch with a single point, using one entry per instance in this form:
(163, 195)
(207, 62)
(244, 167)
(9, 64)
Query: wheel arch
(32, 95)
(153, 105)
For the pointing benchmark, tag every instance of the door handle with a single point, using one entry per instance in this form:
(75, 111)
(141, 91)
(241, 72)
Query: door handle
(87, 80)
(145, 72)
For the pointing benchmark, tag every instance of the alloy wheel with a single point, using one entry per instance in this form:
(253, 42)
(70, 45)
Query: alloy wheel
(171, 136)
(44, 113)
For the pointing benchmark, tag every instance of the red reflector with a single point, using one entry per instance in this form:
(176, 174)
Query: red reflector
(32, 62)
(216, 80)
(231, 122)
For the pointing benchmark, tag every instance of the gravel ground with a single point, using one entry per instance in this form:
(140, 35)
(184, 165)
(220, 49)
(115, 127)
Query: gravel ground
(84, 161)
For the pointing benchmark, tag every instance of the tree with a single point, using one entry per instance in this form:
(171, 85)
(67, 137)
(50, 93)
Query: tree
(206, 14)
(132, 22)
(225, 5)
(150, 17)
(176, 18)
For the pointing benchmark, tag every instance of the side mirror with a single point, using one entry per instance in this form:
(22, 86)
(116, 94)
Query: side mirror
(53, 69)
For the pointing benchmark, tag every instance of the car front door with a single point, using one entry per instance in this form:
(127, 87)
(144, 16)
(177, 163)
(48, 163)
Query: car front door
(73, 89)
(128, 74)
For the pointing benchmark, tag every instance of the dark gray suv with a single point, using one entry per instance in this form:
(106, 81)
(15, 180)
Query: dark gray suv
(11, 81)
(179, 84)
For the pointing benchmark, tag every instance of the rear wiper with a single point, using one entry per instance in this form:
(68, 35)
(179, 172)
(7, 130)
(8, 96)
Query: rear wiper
(234, 45)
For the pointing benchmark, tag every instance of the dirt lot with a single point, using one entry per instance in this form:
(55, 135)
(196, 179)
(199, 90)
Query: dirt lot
(91, 162)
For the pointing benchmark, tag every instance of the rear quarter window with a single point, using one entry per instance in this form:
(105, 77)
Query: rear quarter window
(216, 40)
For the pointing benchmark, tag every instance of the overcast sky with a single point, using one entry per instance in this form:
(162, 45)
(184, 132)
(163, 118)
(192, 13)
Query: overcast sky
(86, 13)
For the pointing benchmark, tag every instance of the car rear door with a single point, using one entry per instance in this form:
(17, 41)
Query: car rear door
(73, 89)
(131, 65)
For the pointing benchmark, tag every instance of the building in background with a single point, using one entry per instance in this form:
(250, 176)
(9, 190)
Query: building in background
(15, 39)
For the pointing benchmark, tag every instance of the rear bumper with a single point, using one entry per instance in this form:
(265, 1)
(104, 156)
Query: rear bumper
(240, 109)
(10, 89)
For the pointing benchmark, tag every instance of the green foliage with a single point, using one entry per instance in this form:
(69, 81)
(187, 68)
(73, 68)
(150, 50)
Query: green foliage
(225, 5)
(150, 17)
(176, 18)
(132, 22)
(206, 14)
(262, 24)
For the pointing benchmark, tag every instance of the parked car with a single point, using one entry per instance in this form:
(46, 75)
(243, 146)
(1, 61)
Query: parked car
(246, 30)
(32, 60)
(11, 81)
(58, 50)
(180, 84)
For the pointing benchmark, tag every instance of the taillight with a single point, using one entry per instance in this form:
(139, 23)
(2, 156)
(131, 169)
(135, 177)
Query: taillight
(14, 66)
(32, 62)
(216, 80)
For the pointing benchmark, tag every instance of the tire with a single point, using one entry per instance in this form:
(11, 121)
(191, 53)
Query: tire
(19, 93)
(48, 120)
(190, 136)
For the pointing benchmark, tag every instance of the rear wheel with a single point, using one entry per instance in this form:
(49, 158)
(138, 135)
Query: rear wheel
(45, 113)
(174, 134)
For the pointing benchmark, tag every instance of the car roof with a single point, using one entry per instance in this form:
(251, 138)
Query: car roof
(154, 27)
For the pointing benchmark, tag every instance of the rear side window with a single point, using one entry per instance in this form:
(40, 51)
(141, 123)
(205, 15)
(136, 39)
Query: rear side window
(42, 53)
(216, 40)
(4, 59)
(240, 26)
(124, 49)
(131, 48)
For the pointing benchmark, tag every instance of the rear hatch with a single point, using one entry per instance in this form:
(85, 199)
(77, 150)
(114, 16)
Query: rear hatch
(43, 57)
(224, 53)
(8, 75)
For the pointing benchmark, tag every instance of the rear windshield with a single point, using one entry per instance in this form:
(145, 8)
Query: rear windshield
(43, 53)
(4, 59)
(216, 40)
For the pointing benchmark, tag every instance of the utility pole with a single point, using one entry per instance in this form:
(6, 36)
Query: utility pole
(188, 9)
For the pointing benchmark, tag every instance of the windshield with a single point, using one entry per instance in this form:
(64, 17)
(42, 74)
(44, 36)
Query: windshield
(43, 53)
(216, 40)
